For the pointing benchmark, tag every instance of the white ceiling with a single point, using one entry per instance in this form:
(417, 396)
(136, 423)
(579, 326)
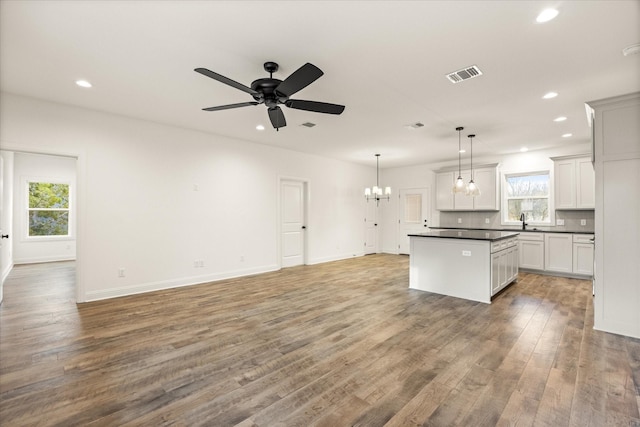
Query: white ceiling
(385, 60)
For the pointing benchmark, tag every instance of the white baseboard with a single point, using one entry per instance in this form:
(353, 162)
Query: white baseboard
(334, 258)
(5, 272)
(38, 260)
(174, 283)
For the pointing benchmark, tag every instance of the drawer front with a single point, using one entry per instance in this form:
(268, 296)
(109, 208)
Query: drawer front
(531, 236)
(582, 238)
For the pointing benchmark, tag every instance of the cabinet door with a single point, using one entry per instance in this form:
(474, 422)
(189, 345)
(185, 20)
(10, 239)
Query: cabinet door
(486, 180)
(496, 279)
(531, 254)
(444, 193)
(558, 253)
(585, 184)
(462, 202)
(583, 258)
(564, 184)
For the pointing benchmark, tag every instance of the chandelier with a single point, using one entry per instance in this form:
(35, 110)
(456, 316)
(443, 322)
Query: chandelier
(376, 193)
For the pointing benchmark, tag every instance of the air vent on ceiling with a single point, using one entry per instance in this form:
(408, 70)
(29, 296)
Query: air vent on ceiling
(464, 74)
(415, 125)
(308, 124)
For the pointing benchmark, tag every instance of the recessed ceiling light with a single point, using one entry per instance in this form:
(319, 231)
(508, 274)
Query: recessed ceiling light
(560, 119)
(567, 135)
(547, 15)
(550, 95)
(83, 83)
(524, 149)
(260, 127)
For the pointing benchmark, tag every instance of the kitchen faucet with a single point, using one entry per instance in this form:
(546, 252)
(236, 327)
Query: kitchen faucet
(522, 218)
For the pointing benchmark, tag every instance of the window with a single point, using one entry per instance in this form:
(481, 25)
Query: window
(48, 209)
(526, 193)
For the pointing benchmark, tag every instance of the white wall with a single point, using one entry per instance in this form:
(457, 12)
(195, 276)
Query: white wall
(6, 224)
(138, 209)
(34, 167)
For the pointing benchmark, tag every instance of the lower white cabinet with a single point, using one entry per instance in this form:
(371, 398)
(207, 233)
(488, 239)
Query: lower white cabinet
(583, 254)
(504, 264)
(531, 250)
(558, 252)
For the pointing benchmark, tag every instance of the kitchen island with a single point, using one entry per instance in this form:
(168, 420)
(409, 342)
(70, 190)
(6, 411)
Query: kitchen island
(469, 264)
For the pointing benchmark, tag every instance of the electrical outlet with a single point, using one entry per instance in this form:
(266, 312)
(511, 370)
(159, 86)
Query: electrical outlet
(121, 272)
(559, 221)
(459, 220)
(486, 221)
(583, 222)
(466, 253)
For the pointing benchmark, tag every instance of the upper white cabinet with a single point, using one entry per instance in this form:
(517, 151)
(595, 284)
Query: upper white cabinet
(485, 177)
(574, 182)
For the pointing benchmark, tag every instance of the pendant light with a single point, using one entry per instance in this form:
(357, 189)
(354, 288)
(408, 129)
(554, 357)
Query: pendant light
(376, 192)
(459, 186)
(472, 188)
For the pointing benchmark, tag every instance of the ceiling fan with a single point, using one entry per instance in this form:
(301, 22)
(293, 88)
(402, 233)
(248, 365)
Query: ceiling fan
(273, 92)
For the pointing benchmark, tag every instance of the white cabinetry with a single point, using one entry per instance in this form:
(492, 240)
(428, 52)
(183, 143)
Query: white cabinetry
(504, 263)
(583, 254)
(531, 250)
(574, 182)
(558, 252)
(616, 131)
(485, 177)
(444, 194)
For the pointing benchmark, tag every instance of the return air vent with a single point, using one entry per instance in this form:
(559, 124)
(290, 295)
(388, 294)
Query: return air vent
(464, 74)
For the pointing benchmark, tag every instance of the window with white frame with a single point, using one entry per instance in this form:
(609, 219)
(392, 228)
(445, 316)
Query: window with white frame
(529, 194)
(47, 209)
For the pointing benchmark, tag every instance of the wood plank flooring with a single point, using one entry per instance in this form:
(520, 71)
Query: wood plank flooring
(338, 344)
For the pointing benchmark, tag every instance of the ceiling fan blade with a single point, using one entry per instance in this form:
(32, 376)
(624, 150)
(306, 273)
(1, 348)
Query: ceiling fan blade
(318, 107)
(300, 79)
(225, 80)
(229, 106)
(277, 117)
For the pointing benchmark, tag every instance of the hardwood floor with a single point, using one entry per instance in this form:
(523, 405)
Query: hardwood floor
(338, 344)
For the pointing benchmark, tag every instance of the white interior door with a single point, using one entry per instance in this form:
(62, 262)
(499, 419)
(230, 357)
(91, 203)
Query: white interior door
(371, 228)
(292, 214)
(413, 215)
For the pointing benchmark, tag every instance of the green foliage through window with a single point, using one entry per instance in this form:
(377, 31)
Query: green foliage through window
(48, 209)
(528, 194)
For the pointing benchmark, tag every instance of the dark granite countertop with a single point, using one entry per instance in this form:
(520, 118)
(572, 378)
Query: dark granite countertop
(528, 230)
(490, 235)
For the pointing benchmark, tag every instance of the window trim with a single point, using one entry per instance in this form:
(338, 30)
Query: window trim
(504, 200)
(27, 210)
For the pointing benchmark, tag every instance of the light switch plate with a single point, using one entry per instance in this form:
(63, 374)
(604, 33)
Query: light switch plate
(583, 222)
(559, 221)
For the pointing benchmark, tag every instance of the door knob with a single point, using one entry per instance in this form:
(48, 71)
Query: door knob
(304, 227)
(5, 236)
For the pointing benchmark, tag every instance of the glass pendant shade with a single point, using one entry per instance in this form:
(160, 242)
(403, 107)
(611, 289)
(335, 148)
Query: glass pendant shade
(472, 188)
(459, 186)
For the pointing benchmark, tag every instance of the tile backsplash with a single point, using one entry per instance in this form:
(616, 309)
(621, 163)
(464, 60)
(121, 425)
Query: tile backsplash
(572, 220)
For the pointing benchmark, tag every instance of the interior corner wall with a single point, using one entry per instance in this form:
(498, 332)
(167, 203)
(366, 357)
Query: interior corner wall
(41, 168)
(154, 198)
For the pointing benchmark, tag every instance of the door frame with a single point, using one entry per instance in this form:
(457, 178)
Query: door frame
(426, 214)
(80, 209)
(305, 206)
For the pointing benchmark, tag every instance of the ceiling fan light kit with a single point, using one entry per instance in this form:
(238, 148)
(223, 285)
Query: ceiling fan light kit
(274, 92)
